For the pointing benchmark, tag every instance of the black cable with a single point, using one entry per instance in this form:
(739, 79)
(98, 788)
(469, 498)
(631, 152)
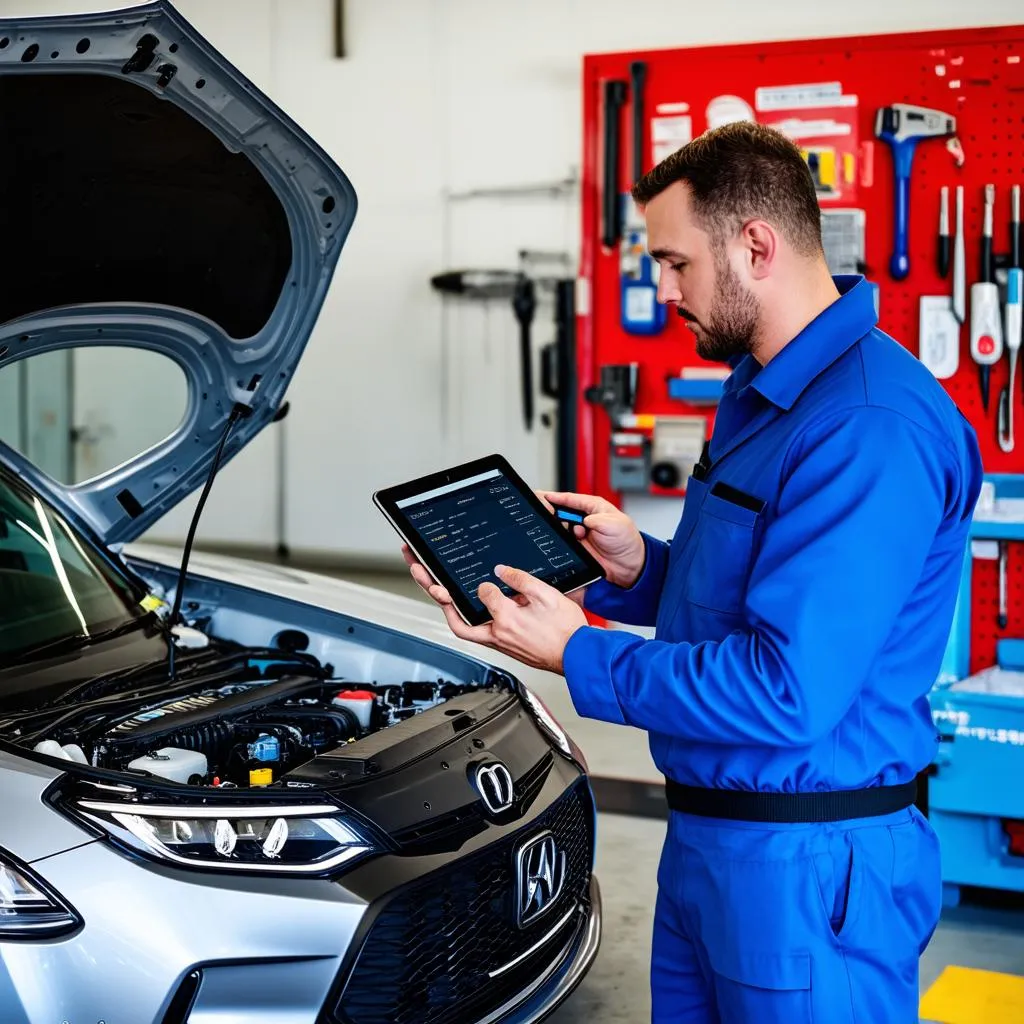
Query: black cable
(236, 414)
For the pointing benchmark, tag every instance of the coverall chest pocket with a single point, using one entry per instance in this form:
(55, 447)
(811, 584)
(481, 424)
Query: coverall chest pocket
(724, 543)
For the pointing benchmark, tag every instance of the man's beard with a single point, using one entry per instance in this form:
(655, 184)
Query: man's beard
(729, 329)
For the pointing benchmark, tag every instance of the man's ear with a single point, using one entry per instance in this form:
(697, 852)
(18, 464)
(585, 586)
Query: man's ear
(761, 242)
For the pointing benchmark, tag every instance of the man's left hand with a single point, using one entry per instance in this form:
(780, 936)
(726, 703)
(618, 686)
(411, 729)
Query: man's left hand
(533, 626)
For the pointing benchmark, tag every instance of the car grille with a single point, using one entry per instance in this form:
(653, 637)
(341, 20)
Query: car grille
(447, 832)
(427, 956)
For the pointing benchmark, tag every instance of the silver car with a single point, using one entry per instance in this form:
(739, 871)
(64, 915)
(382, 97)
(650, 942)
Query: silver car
(234, 792)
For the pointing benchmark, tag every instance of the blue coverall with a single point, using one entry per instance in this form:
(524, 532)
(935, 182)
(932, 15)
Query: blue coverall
(801, 617)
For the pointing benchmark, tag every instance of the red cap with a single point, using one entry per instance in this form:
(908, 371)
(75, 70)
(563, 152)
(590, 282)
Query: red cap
(1015, 830)
(355, 695)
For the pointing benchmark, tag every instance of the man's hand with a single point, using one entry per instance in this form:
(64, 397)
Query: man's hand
(608, 533)
(533, 626)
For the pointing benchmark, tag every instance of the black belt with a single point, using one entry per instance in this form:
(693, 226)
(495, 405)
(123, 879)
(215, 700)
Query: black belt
(745, 805)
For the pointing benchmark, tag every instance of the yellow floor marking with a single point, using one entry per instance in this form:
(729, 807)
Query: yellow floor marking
(964, 995)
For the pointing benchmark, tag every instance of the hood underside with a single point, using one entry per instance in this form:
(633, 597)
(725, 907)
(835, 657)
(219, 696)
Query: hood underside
(159, 201)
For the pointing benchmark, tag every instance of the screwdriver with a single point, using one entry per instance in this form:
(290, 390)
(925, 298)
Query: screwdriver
(1015, 253)
(943, 250)
(986, 324)
(959, 270)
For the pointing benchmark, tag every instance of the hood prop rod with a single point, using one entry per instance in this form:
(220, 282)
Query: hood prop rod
(239, 411)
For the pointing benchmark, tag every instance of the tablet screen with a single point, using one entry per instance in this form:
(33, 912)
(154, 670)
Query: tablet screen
(472, 525)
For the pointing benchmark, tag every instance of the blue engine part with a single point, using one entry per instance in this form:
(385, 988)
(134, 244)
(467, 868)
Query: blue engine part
(266, 748)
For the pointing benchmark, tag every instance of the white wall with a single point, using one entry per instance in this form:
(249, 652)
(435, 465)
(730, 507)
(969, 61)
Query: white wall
(440, 96)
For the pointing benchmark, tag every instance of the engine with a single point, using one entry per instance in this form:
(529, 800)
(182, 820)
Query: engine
(250, 734)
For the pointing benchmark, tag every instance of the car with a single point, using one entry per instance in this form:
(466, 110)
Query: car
(233, 790)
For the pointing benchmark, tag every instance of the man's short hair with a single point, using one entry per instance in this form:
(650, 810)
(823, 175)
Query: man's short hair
(739, 172)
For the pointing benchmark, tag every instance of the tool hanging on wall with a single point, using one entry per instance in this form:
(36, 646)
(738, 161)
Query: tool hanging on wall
(638, 274)
(939, 336)
(559, 381)
(1012, 314)
(1015, 239)
(524, 305)
(942, 258)
(902, 126)
(516, 286)
(986, 326)
(959, 261)
(611, 206)
(1012, 319)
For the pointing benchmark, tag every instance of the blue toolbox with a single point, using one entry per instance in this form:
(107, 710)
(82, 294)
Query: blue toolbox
(976, 784)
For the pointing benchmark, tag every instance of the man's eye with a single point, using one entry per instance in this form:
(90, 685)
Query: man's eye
(679, 267)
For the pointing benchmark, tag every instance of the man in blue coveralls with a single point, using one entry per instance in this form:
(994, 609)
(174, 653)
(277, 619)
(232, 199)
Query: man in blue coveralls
(801, 614)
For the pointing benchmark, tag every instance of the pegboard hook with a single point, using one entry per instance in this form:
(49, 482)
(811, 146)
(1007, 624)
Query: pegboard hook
(953, 145)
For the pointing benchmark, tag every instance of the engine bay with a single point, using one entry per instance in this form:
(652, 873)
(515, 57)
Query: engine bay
(243, 733)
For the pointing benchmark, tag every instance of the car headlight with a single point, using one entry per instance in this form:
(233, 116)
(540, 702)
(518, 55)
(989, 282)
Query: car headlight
(292, 839)
(29, 909)
(546, 720)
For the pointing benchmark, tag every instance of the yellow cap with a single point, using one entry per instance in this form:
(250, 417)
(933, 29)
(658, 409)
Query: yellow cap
(261, 776)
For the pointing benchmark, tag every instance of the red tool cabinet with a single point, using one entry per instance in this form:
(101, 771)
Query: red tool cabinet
(975, 75)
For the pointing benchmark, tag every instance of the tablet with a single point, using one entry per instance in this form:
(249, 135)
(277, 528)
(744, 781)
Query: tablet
(462, 522)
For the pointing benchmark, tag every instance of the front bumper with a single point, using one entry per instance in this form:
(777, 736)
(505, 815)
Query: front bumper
(552, 989)
(160, 946)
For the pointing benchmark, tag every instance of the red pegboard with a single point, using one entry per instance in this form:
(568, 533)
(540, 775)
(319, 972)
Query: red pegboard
(976, 75)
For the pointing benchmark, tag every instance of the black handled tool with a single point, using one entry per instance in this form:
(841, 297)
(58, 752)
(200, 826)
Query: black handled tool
(524, 304)
(637, 75)
(1015, 251)
(611, 227)
(944, 238)
(987, 267)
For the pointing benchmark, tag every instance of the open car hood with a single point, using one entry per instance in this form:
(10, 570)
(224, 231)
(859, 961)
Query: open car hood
(157, 200)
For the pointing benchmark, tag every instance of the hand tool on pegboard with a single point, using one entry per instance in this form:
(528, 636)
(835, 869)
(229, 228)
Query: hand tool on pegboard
(1012, 313)
(942, 254)
(902, 126)
(1015, 238)
(611, 209)
(986, 326)
(959, 261)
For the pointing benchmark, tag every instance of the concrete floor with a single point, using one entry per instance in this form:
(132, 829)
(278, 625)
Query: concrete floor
(987, 936)
(616, 989)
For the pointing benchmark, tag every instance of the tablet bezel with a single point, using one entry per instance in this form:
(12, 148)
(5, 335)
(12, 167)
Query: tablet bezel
(386, 500)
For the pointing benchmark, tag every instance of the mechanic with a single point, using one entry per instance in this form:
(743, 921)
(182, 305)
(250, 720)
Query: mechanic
(801, 612)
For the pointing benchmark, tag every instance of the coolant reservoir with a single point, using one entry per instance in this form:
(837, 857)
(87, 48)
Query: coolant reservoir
(172, 763)
(359, 702)
(51, 748)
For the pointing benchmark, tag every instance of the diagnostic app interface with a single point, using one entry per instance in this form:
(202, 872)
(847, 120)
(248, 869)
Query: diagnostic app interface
(483, 521)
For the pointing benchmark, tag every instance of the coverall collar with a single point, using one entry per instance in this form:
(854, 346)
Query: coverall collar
(814, 349)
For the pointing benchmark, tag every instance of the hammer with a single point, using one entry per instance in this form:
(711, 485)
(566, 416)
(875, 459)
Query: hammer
(903, 126)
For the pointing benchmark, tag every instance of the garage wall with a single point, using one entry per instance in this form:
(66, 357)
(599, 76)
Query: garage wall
(439, 98)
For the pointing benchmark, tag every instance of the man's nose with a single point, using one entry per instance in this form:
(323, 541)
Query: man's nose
(668, 290)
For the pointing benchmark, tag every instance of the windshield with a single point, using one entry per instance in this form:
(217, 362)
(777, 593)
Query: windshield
(53, 587)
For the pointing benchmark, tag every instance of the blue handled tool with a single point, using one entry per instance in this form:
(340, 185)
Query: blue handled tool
(902, 126)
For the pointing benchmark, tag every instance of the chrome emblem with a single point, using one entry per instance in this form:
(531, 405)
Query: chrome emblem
(494, 784)
(540, 875)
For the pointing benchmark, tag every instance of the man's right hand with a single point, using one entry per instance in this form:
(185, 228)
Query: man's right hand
(608, 533)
